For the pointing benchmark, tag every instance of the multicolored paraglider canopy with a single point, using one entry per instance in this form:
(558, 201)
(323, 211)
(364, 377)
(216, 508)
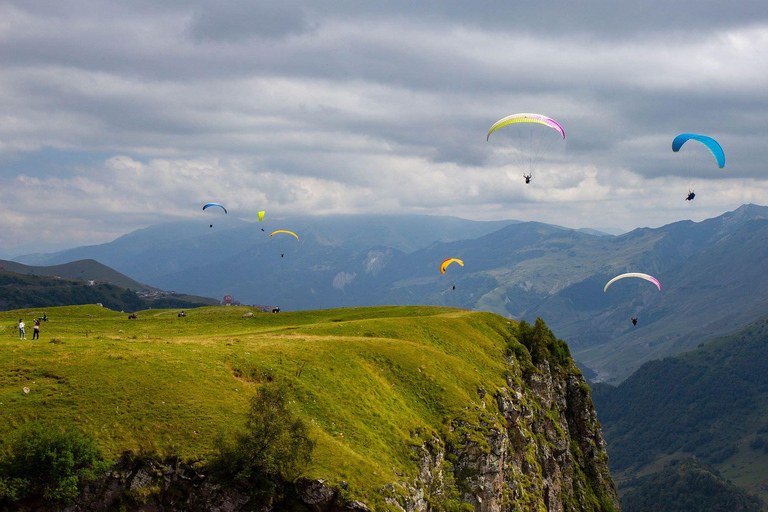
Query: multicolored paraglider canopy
(283, 231)
(447, 262)
(634, 274)
(711, 144)
(215, 204)
(526, 118)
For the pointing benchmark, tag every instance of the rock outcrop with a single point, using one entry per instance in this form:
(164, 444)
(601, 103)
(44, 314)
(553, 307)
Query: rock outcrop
(545, 452)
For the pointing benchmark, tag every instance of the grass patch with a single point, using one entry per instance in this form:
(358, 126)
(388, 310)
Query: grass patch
(363, 379)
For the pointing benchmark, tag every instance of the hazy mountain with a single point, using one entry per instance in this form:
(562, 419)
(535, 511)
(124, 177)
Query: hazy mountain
(154, 252)
(713, 273)
(709, 403)
(714, 277)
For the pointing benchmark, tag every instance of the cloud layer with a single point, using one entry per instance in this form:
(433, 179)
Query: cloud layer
(113, 116)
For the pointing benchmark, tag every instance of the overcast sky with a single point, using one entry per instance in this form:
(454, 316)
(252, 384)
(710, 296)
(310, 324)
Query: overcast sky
(115, 116)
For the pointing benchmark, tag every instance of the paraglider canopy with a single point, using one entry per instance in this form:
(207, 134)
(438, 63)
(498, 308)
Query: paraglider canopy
(526, 118)
(261, 216)
(447, 262)
(215, 204)
(283, 231)
(633, 274)
(709, 142)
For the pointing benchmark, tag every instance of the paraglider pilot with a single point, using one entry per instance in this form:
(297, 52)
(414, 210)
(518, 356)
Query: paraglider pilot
(691, 195)
(634, 320)
(528, 178)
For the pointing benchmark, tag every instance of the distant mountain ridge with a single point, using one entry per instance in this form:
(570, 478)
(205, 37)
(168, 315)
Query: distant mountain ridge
(26, 291)
(85, 269)
(714, 273)
(158, 250)
(83, 282)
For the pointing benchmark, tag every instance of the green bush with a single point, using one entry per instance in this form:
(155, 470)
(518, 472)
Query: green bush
(48, 461)
(274, 446)
(542, 344)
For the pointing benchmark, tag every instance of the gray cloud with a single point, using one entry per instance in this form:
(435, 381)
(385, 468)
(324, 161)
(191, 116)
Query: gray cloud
(373, 106)
(237, 20)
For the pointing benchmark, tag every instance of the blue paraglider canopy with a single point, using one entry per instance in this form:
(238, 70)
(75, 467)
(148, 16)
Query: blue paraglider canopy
(215, 204)
(709, 142)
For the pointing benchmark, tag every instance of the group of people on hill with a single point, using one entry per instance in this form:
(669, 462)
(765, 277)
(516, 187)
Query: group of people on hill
(35, 328)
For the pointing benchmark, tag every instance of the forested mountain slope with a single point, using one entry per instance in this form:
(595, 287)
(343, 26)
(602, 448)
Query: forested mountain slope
(710, 403)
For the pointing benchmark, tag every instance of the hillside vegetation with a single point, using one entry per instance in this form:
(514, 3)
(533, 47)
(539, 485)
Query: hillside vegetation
(687, 486)
(374, 384)
(710, 403)
(84, 270)
(19, 291)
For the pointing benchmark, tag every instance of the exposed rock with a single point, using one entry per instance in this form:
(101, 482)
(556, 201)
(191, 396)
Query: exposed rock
(546, 452)
(315, 494)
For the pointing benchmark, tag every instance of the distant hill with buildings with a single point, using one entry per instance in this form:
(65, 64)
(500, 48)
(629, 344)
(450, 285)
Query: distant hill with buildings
(84, 270)
(83, 282)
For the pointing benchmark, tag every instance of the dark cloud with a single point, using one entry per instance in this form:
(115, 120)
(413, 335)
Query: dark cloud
(234, 21)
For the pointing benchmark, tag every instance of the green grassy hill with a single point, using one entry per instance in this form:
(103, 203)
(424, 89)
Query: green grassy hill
(373, 383)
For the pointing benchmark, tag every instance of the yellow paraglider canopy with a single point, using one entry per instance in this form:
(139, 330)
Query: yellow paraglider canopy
(447, 262)
(261, 216)
(283, 231)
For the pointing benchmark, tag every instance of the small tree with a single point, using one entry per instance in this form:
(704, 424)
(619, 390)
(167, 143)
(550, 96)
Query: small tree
(274, 446)
(542, 343)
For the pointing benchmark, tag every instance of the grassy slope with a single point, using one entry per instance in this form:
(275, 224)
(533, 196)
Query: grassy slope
(375, 375)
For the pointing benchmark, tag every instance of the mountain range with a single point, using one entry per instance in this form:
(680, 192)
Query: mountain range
(714, 273)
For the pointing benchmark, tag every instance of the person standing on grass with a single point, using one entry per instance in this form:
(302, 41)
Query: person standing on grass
(22, 334)
(36, 330)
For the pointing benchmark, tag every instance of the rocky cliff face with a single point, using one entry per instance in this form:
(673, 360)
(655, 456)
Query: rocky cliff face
(549, 453)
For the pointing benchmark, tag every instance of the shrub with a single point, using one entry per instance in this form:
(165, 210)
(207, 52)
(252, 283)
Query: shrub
(49, 461)
(274, 446)
(542, 344)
